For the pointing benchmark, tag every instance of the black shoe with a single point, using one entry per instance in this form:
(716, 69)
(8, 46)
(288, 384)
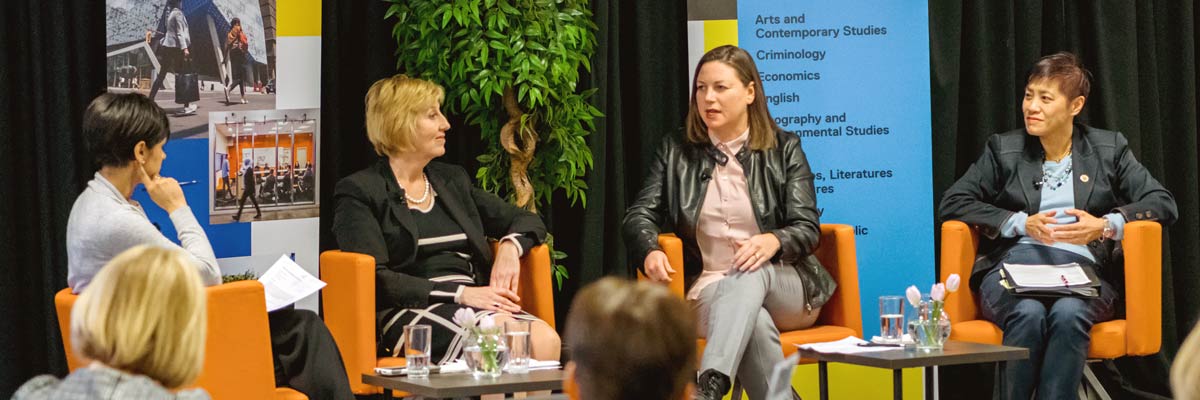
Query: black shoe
(711, 385)
(237, 218)
(257, 216)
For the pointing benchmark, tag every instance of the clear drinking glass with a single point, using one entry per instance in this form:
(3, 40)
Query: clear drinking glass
(891, 318)
(519, 337)
(417, 342)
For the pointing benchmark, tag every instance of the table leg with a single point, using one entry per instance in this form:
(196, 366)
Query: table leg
(898, 384)
(823, 379)
(1000, 373)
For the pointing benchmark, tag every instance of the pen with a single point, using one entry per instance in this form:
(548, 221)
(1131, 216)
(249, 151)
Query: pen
(184, 183)
(873, 344)
(1064, 280)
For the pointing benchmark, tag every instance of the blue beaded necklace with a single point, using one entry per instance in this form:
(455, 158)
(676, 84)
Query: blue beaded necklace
(1055, 181)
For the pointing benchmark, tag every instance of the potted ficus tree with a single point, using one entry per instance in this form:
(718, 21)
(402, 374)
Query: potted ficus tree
(511, 68)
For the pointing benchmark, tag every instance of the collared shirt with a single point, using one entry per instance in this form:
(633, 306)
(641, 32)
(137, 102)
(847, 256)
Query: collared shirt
(103, 223)
(98, 381)
(725, 217)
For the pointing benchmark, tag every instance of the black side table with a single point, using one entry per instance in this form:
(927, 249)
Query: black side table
(953, 353)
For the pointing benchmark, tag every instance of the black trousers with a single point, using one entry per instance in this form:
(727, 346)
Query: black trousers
(305, 355)
(249, 193)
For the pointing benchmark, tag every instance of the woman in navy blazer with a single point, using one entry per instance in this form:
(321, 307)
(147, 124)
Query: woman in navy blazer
(1054, 192)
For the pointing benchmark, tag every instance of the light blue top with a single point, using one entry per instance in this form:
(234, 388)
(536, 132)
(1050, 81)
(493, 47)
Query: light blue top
(1060, 199)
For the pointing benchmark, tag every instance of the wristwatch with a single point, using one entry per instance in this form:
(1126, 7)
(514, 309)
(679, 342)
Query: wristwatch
(1108, 231)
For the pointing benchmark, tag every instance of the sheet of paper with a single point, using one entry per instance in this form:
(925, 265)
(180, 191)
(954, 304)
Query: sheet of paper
(849, 345)
(286, 283)
(1047, 275)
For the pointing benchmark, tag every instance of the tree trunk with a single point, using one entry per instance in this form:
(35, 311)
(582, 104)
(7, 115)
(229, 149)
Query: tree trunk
(519, 142)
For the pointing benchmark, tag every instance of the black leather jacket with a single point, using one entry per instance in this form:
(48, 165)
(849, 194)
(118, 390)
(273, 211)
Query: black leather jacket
(781, 193)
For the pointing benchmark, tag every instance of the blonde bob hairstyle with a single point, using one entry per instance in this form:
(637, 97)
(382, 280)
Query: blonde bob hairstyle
(762, 126)
(144, 313)
(393, 105)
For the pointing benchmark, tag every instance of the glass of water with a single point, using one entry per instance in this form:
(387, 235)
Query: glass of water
(519, 338)
(891, 318)
(417, 342)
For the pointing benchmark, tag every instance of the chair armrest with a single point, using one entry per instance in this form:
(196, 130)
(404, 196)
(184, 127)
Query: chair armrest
(838, 254)
(237, 352)
(1143, 287)
(64, 301)
(959, 246)
(536, 288)
(673, 246)
(348, 302)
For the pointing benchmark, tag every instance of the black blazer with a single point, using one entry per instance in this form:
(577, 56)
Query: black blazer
(372, 217)
(781, 195)
(1002, 182)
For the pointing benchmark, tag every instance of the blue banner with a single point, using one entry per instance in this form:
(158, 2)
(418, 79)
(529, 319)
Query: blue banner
(851, 78)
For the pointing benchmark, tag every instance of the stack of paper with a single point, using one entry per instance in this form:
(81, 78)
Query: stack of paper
(1050, 280)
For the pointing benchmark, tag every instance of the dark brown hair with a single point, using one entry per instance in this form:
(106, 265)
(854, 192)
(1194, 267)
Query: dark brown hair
(762, 127)
(631, 340)
(1065, 69)
(114, 124)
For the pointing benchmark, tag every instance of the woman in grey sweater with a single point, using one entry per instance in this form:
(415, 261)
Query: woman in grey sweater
(126, 134)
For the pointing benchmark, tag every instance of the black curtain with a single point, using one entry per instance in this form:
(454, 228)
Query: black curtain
(639, 68)
(52, 65)
(1142, 58)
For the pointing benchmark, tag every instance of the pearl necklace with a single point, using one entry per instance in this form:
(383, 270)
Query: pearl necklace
(423, 198)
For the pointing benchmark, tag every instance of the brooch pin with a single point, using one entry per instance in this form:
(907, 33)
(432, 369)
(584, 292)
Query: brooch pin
(1083, 178)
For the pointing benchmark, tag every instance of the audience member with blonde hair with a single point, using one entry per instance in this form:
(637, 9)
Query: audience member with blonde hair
(629, 340)
(142, 324)
(1185, 372)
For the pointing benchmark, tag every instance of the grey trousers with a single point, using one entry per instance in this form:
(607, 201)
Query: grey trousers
(741, 316)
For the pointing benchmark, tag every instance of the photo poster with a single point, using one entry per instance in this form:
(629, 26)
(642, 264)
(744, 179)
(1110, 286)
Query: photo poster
(851, 77)
(232, 102)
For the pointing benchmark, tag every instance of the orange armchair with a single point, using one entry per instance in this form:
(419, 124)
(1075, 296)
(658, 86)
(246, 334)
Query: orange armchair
(348, 302)
(841, 316)
(237, 352)
(1139, 334)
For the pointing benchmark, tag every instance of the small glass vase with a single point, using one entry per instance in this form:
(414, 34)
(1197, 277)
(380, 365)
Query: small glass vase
(486, 353)
(930, 327)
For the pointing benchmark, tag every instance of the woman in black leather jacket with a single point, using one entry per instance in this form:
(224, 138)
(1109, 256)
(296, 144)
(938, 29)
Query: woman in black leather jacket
(738, 191)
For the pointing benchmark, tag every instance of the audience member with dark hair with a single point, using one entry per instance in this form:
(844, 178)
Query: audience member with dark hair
(1054, 192)
(629, 340)
(126, 133)
(142, 324)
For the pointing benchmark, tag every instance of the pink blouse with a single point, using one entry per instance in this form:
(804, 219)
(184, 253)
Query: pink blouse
(725, 217)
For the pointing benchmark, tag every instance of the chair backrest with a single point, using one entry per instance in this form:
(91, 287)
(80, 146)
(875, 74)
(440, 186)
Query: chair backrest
(237, 353)
(959, 245)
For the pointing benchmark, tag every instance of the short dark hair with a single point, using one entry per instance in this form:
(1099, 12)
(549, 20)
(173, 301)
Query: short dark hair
(114, 124)
(631, 340)
(1065, 69)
